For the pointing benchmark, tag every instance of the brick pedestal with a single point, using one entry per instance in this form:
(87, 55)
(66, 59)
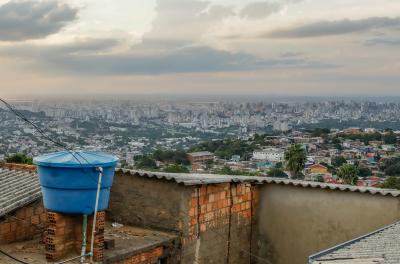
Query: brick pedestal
(64, 235)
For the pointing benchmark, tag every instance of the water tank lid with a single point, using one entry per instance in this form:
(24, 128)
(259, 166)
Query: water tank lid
(76, 159)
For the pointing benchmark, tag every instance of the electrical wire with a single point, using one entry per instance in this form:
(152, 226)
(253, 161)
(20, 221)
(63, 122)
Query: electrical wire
(43, 133)
(13, 258)
(57, 143)
(47, 137)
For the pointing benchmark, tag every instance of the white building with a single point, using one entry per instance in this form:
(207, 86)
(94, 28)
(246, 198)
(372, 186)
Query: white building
(269, 154)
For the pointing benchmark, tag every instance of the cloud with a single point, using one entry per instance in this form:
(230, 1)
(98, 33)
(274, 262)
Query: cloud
(339, 27)
(259, 10)
(388, 41)
(97, 57)
(24, 20)
(182, 22)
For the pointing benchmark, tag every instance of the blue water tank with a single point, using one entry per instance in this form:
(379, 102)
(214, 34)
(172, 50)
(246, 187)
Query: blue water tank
(69, 180)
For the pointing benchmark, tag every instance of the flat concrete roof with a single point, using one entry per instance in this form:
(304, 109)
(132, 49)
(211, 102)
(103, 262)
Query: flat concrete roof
(129, 241)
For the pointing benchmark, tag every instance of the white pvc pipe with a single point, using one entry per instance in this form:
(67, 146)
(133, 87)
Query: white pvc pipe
(95, 213)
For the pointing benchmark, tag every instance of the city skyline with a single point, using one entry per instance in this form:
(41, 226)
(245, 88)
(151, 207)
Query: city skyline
(286, 47)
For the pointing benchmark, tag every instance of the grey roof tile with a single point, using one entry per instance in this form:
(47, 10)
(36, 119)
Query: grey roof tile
(17, 188)
(381, 244)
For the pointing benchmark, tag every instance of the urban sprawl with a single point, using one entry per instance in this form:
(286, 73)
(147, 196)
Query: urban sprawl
(342, 141)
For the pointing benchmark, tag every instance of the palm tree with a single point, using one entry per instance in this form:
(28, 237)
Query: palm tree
(295, 158)
(348, 174)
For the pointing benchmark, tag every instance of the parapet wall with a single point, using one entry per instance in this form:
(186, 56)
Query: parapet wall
(246, 220)
(296, 222)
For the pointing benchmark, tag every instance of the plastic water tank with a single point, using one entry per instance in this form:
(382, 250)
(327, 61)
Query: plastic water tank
(69, 180)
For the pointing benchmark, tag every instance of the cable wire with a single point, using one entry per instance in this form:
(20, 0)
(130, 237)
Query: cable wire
(59, 144)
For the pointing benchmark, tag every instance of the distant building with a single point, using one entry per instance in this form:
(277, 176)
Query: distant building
(316, 172)
(269, 154)
(388, 148)
(281, 126)
(200, 157)
(353, 131)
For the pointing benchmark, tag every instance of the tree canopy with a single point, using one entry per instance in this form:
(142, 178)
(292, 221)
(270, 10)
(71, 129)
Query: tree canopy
(176, 168)
(295, 158)
(348, 173)
(19, 158)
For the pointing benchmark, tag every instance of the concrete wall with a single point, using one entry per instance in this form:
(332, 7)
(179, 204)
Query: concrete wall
(213, 220)
(295, 222)
(148, 203)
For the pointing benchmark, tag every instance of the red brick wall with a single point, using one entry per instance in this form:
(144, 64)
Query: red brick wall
(23, 224)
(16, 166)
(64, 235)
(222, 214)
(149, 257)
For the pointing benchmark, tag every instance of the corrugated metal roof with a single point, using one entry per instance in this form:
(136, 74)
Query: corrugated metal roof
(17, 188)
(197, 179)
(380, 245)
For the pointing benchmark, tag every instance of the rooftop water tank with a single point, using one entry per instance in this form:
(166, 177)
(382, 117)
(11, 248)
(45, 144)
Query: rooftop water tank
(69, 180)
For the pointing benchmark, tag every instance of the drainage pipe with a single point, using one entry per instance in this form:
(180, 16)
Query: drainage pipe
(84, 229)
(95, 212)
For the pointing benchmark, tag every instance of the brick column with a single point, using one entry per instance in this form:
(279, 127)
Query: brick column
(64, 235)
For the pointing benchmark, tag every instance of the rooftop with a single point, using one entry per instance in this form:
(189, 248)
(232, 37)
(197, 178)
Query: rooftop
(380, 246)
(129, 241)
(17, 188)
(201, 153)
(197, 179)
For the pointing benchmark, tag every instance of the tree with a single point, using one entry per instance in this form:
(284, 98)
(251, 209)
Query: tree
(348, 174)
(145, 162)
(295, 158)
(390, 138)
(392, 183)
(364, 172)
(277, 172)
(393, 170)
(339, 161)
(176, 168)
(19, 158)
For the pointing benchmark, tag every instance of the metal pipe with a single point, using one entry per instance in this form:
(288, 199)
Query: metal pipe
(95, 212)
(72, 259)
(84, 229)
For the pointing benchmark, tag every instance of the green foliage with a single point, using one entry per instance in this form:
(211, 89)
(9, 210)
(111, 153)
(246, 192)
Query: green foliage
(320, 178)
(225, 149)
(320, 132)
(393, 170)
(277, 172)
(390, 138)
(295, 158)
(392, 183)
(19, 158)
(364, 172)
(178, 156)
(228, 171)
(176, 168)
(391, 167)
(145, 162)
(339, 161)
(348, 173)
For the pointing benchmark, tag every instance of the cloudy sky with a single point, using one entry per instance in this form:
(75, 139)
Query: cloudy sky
(282, 47)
